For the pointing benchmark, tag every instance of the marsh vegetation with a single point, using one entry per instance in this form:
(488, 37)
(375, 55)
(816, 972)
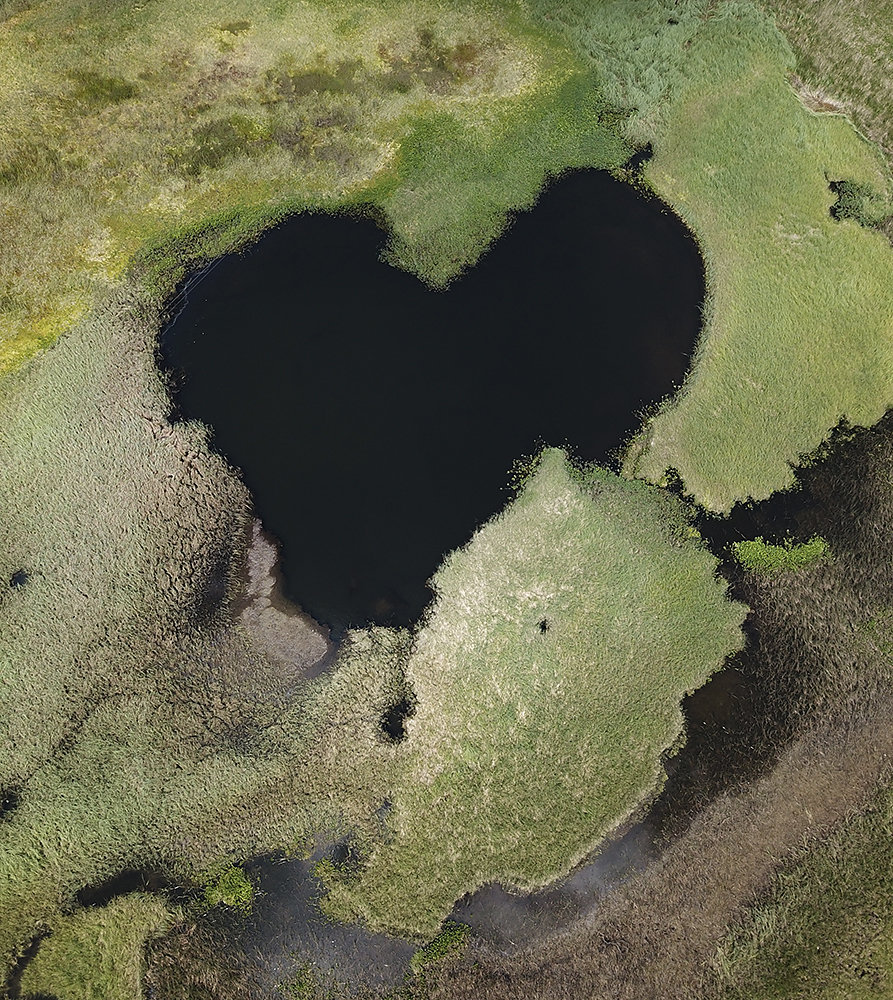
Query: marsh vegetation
(142, 727)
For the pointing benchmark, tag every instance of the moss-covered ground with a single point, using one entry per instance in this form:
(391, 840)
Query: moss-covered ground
(122, 132)
(761, 556)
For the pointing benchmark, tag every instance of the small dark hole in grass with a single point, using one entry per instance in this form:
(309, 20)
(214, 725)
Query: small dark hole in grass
(544, 626)
(10, 800)
(672, 20)
(18, 579)
(393, 721)
(346, 856)
(340, 854)
(640, 158)
(235, 27)
(210, 599)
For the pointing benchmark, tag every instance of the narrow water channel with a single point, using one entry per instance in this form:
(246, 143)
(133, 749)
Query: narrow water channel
(376, 420)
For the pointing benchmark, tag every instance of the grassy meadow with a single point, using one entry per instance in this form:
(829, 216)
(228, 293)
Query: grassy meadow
(124, 132)
(174, 133)
(844, 58)
(156, 733)
(799, 318)
(547, 677)
(139, 727)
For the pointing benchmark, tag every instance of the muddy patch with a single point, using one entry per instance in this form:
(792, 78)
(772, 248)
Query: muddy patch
(278, 628)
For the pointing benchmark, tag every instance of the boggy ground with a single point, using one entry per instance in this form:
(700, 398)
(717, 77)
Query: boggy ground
(817, 745)
(127, 669)
(823, 634)
(140, 726)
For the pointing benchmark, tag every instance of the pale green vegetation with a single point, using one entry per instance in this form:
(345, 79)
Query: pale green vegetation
(175, 132)
(137, 725)
(137, 730)
(153, 735)
(825, 930)
(97, 954)
(230, 887)
(548, 678)
(800, 312)
(844, 58)
(761, 556)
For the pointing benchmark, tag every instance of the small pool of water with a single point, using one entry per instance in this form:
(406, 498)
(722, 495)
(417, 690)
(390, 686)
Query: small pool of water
(376, 420)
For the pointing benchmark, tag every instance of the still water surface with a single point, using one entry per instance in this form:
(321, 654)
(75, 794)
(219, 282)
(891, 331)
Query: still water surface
(376, 420)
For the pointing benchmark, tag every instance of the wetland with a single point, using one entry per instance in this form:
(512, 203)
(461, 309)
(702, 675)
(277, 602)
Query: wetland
(536, 706)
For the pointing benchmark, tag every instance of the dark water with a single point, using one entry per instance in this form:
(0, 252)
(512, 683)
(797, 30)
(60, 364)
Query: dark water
(376, 420)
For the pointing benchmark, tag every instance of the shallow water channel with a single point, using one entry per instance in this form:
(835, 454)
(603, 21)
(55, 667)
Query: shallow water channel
(376, 420)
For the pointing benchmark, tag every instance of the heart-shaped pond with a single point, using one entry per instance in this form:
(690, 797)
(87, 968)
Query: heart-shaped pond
(376, 420)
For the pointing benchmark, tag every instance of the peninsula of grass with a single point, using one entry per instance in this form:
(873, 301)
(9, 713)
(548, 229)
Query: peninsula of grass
(97, 954)
(548, 678)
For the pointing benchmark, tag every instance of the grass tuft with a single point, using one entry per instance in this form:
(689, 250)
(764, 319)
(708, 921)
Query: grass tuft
(448, 943)
(760, 556)
(229, 887)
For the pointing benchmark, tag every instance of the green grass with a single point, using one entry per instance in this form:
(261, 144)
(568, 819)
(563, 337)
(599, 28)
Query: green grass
(761, 556)
(229, 887)
(447, 944)
(528, 745)
(128, 131)
(146, 737)
(141, 140)
(825, 932)
(800, 311)
(844, 57)
(97, 954)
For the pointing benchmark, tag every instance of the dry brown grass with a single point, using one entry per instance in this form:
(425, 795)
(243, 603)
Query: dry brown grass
(845, 56)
